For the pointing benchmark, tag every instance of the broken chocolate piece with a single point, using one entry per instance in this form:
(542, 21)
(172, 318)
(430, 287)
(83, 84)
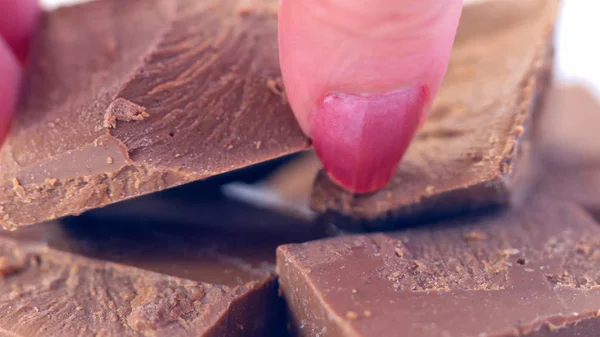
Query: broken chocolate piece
(467, 152)
(566, 133)
(529, 272)
(153, 94)
(580, 185)
(568, 147)
(57, 293)
(165, 279)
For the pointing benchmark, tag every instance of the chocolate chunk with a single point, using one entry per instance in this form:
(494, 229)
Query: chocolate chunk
(580, 185)
(124, 98)
(57, 293)
(466, 154)
(96, 275)
(568, 147)
(566, 133)
(530, 272)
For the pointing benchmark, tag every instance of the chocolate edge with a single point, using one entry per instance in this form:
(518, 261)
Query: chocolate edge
(497, 191)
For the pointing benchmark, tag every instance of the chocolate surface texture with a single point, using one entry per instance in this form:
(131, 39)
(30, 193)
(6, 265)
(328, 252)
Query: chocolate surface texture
(150, 94)
(90, 277)
(142, 95)
(529, 272)
(183, 262)
(467, 153)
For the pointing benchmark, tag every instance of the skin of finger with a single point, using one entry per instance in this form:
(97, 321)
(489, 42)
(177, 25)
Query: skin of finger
(362, 46)
(9, 86)
(17, 23)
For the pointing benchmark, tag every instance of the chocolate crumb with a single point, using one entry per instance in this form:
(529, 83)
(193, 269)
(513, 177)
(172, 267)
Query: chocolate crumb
(50, 181)
(510, 251)
(276, 86)
(519, 130)
(10, 265)
(19, 190)
(123, 110)
(584, 249)
(399, 252)
(475, 236)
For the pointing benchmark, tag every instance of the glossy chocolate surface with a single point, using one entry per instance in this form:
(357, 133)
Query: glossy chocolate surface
(125, 98)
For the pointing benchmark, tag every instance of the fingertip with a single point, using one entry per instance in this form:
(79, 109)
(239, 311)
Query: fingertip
(362, 47)
(9, 86)
(17, 24)
(365, 54)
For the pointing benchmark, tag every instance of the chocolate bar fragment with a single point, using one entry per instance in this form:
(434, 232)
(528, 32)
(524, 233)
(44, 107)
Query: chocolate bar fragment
(568, 146)
(90, 276)
(466, 155)
(51, 293)
(566, 133)
(124, 98)
(580, 185)
(528, 272)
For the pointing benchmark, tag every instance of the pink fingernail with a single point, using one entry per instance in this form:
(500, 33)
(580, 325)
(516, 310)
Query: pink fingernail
(361, 138)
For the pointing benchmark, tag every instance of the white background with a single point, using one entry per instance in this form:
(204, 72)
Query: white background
(578, 50)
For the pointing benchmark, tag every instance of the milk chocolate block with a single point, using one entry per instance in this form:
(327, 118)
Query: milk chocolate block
(568, 147)
(580, 185)
(91, 278)
(124, 98)
(530, 272)
(467, 153)
(567, 131)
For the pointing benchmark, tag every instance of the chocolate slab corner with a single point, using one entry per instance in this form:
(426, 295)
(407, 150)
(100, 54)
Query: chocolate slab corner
(515, 272)
(154, 94)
